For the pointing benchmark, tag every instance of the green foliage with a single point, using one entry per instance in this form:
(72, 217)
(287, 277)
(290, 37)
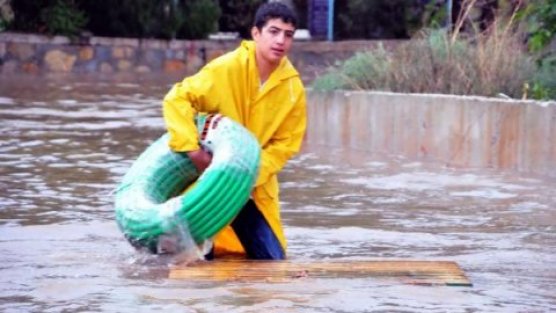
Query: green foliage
(434, 15)
(363, 71)
(27, 16)
(377, 19)
(174, 19)
(541, 15)
(191, 19)
(301, 7)
(330, 81)
(362, 19)
(487, 63)
(63, 18)
(127, 18)
(433, 63)
(6, 14)
(238, 16)
(544, 84)
(201, 19)
(184, 19)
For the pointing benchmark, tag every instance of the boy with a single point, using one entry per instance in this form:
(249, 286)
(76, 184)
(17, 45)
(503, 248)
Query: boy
(257, 86)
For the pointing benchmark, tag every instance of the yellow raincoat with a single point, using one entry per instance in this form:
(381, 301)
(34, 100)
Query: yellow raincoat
(274, 112)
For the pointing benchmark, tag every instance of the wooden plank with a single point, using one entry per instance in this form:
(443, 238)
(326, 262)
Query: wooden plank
(415, 272)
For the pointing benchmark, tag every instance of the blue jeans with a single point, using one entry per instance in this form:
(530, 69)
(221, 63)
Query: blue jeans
(255, 235)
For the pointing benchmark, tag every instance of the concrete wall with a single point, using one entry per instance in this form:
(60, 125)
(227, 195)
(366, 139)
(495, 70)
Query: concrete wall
(36, 54)
(460, 131)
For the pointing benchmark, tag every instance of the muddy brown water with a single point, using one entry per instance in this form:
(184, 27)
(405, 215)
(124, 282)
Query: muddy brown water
(65, 141)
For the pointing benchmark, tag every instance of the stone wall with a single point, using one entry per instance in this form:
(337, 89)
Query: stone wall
(35, 54)
(469, 132)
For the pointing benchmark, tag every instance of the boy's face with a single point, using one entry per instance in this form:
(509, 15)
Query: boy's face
(274, 40)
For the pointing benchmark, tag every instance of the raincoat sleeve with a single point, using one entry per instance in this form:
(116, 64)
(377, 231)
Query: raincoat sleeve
(285, 142)
(181, 104)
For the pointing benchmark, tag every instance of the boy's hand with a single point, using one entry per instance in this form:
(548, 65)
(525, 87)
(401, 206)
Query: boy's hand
(200, 158)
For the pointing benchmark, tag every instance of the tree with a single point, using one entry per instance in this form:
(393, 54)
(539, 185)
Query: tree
(238, 15)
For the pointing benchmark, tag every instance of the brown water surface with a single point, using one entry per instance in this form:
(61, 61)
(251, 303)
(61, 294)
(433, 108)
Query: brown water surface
(66, 141)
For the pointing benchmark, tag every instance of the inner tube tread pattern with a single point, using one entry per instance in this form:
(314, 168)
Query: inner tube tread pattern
(150, 201)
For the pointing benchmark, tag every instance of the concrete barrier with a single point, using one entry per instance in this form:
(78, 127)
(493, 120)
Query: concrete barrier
(461, 131)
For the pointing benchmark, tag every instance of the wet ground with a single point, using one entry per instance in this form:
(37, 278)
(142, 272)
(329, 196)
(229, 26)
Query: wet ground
(66, 141)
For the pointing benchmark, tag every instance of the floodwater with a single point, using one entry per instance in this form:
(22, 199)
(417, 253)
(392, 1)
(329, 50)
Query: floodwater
(66, 141)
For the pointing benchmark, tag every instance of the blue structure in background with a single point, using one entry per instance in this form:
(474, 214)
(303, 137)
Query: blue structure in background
(330, 33)
(321, 19)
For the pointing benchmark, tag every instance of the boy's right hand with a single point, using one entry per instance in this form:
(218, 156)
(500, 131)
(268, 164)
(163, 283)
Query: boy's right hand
(201, 159)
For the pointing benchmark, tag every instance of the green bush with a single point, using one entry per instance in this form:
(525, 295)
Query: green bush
(27, 16)
(63, 18)
(544, 84)
(55, 17)
(201, 18)
(6, 14)
(363, 71)
(356, 19)
(183, 19)
(540, 19)
(187, 19)
(486, 65)
(238, 16)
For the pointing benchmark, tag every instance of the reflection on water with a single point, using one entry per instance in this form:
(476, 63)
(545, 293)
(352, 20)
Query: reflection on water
(66, 141)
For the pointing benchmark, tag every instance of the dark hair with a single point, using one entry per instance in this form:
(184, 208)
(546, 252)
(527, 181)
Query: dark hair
(272, 10)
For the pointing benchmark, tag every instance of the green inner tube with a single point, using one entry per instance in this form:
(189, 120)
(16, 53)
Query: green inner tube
(149, 201)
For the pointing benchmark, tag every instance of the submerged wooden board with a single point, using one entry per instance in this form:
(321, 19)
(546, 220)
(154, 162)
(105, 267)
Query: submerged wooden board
(413, 272)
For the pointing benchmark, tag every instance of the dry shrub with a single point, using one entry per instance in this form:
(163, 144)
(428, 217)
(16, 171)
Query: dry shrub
(435, 61)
